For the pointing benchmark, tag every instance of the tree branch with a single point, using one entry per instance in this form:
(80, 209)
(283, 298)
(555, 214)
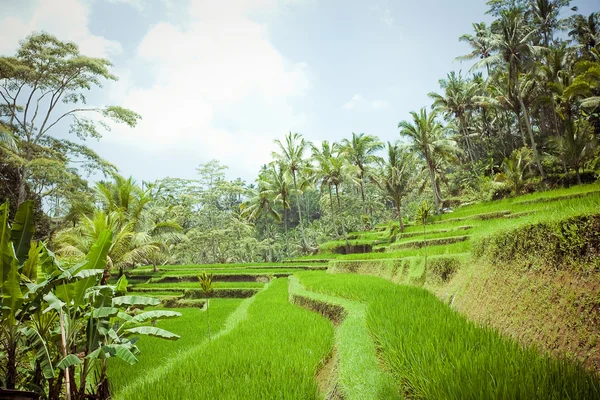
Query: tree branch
(63, 116)
(12, 111)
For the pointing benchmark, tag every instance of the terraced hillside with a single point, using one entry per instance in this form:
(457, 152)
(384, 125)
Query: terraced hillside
(463, 325)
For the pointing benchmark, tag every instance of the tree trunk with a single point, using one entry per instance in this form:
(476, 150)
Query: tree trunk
(11, 363)
(332, 212)
(67, 375)
(399, 208)
(337, 195)
(304, 243)
(22, 193)
(436, 197)
(362, 193)
(533, 144)
(285, 230)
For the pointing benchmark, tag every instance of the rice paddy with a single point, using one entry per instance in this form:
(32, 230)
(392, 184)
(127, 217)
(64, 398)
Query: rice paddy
(306, 331)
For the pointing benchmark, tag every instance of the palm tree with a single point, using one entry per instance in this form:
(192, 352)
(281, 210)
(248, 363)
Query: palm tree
(513, 170)
(511, 42)
(322, 171)
(291, 158)
(586, 31)
(397, 176)
(457, 100)
(276, 184)
(360, 151)
(428, 141)
(139, 232)
(331, 171)
(480, 43)
(260, 203)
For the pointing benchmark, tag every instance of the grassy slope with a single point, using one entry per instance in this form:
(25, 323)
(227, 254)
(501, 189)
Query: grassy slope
(556, 309)
(273, 354)
(436, 353)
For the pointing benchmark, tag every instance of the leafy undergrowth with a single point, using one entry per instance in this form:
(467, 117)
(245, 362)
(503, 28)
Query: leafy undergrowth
(273, 354)
(435, 353)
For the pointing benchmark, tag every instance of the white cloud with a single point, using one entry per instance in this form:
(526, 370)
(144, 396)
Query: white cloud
(139, 5)
(221, 89)
(357, 101)
(66, 19)
(384, 14)
(379, 104)
(353, 102)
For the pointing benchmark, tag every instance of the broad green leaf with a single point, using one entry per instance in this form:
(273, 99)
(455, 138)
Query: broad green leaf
(69, 273)
(134, 301)
(22, 230)
(96, 259)
(86, 273)
(96, 354)
(69, 361)
(120, 351)
(29, 269)
(153, 331)
(154, 315)
(104, 312)
(121, 286)
(49, 264)
(6, 247)
(124, 316)
(65, 292)
(12, 297)
(54, 303)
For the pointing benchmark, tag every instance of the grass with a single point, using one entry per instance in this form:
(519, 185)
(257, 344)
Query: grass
(191, 327)
(273, 354)
(435, 353)
(196, 285)
(358, 372)
(524, 208)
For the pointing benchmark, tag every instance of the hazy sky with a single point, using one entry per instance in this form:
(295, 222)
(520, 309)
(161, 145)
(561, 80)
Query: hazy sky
(224, 79)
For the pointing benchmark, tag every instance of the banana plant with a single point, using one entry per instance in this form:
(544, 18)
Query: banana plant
(95, 324)
(14, 265)
(61, 317)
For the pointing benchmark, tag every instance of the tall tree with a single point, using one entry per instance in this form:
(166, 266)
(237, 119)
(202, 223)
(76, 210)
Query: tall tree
(397, 176)
(292, 158)
(428, 140)
(512, 44)
(43, 85)
(457, 100)
(360, 151)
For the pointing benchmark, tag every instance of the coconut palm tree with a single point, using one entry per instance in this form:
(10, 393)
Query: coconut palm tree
(511, 44)
(457, 100)
(586, 31)
(275, 182)
(428, 140)
(480, 42)
(360, 151)
(322, 170)
(291, 158)
(139, 231)
(331, 171)
(260, 203)
(397, 176)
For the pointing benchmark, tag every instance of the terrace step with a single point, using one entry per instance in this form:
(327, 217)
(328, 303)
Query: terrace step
(359, 375)
(417, 244)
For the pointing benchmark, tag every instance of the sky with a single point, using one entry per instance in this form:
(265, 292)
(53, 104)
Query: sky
(224, 79)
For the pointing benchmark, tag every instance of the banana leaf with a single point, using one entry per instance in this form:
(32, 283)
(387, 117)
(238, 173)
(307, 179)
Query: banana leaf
(22, 230)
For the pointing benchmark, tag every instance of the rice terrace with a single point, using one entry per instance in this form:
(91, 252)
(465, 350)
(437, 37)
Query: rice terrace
(455, 255)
